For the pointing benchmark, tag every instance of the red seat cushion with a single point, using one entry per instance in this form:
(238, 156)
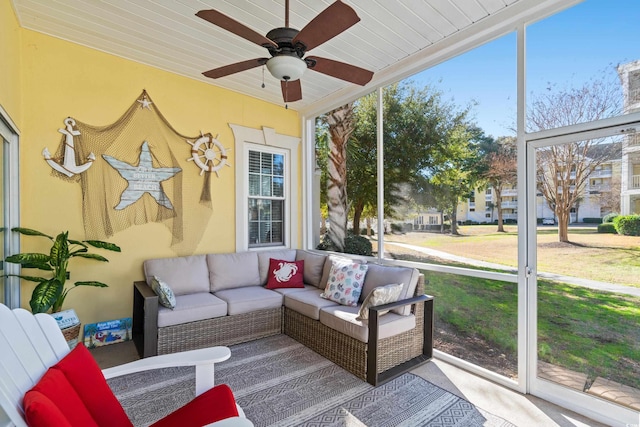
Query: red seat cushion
(211, 406)
(54, 398)
(40, 411)
(84, 374)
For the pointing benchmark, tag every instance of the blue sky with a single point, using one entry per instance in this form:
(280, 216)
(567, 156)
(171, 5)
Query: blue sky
(569, 48)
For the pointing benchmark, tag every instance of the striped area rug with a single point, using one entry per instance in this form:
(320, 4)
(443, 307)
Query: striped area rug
(280, 382)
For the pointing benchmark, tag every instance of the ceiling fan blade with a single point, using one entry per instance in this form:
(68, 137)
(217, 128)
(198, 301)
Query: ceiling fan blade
(235, 68)
(235, 27)
(291, 90)
(328, 24)
(340, 70)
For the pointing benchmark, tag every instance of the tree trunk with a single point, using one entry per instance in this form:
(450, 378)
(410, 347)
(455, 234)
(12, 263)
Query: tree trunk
(563, 225)
(454, 219)
(341, 126)
(499, 208)
(357, 215)
(368, 220)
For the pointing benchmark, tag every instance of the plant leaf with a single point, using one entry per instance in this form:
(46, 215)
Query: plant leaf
(103, 245)
(45, 295)
(31, 260)
(30, 278)
(93, 256)
(60, 250)
(30, 232)
(92, 283)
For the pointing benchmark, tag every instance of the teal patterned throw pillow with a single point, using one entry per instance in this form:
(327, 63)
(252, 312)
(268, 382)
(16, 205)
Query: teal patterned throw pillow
(164, 292)
(345, 283)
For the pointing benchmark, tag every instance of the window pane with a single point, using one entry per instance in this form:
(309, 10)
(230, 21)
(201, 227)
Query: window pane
(253, 210)
(588, 315)
(265, 210)
(254, 184)
(277, 208)
(278, 164)
(267, 163)
(254, 162)
(266, 186)
(276, 235)
(253, 233)
(278, 187)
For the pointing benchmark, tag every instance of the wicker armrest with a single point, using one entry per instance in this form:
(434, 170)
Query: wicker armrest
(424, 304)
(145, 319)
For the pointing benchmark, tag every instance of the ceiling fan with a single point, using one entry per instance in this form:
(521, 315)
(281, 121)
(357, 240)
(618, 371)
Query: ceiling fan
(287, 47)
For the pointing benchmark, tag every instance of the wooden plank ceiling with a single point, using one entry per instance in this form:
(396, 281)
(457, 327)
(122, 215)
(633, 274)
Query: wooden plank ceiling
(167, 35)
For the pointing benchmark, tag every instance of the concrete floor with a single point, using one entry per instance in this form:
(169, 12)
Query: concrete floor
(521, 410)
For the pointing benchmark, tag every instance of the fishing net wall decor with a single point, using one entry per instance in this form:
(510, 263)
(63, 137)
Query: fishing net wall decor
(136, 176)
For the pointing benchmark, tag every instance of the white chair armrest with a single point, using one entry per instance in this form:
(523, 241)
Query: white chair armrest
(232, 422)
(205, 356)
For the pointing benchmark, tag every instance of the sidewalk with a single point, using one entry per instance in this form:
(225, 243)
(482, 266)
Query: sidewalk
(592, 284)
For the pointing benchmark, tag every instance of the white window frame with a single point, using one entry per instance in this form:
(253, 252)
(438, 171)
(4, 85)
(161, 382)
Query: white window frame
(266, 140)
(10, 137)
(286, 193)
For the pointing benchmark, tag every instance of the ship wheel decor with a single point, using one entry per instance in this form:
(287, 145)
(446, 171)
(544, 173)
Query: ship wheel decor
(208, 153)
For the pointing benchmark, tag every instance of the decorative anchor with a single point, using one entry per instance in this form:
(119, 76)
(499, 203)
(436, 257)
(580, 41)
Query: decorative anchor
(69, 166)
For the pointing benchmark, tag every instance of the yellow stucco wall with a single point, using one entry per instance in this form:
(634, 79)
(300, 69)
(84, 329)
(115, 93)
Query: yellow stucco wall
(61, 79)
(10, 80)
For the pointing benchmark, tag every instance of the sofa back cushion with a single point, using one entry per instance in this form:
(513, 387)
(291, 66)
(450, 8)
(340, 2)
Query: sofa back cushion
(326, 268)
(185, 275)
(380, 275)
(265, 256)
(233, 270)
(313, 266)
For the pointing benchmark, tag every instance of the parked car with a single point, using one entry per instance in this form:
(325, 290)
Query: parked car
(548, 221)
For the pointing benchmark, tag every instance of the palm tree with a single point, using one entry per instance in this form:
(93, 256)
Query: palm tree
(341, 126)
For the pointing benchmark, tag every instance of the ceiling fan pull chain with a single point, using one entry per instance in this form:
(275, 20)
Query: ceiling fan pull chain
(262, 77)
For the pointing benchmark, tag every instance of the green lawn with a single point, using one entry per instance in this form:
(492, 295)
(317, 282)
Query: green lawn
(593, 332)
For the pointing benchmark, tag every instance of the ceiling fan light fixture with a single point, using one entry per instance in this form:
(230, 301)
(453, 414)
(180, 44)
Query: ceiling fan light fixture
(285, 67)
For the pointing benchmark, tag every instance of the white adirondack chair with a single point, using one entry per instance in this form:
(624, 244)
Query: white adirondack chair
(30, 344)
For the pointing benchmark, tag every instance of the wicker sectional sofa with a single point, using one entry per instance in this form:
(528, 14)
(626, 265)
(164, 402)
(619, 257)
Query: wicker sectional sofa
(221, 300)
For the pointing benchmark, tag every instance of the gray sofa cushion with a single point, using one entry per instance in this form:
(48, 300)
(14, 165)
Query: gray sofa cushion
(192, 307)
(249, 298)
(285, 291)
(313, 266)
(233, 270)
(307, 303)
(185, 275)
(343, 319)
(380, 275)
(265, 256)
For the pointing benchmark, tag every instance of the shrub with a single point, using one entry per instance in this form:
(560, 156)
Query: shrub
(397, 228)
(628, 225)
(357, 245)
(592, 220)
(609, 218)
(363, 232)
(607, 228)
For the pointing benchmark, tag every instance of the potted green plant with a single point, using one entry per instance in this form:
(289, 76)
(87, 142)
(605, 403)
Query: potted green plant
(51, 292)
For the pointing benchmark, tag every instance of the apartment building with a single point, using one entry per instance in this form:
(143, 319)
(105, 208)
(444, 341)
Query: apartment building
(630, 175)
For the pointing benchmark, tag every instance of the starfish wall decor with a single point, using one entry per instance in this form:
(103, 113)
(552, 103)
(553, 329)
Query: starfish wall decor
(143, 178)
